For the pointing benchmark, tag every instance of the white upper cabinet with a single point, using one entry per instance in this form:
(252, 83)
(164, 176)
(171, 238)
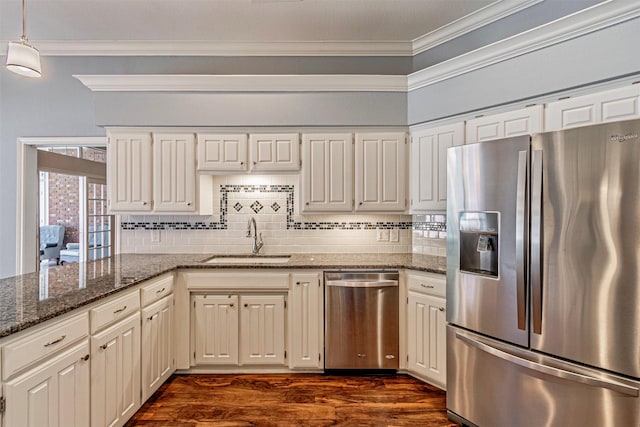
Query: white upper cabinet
(429, 165)
(512, 123)
(609, 106)
(174, 174)
(222, 152)
(327, 172)
(275, 152)
(129, 172)
(381, 172)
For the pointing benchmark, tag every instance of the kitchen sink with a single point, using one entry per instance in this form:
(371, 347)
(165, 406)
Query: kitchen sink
(248, 259)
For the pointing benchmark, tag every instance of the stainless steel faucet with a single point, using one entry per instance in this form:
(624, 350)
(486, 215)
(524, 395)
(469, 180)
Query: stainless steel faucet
(257, 244)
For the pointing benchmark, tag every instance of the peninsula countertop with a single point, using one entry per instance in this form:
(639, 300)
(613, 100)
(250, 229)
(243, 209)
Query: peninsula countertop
(33, 298)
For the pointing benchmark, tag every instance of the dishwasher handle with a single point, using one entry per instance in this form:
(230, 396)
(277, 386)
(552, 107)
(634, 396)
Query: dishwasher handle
(362, 283)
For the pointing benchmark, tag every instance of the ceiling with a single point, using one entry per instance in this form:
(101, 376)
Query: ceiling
(252, 21)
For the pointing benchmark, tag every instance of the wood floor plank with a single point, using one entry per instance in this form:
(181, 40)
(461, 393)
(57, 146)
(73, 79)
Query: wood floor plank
(295, 400)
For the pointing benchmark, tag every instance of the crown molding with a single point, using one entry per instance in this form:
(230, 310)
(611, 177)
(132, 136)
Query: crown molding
(244, 83)
(485, 16)
(219, 48)
(592, 19)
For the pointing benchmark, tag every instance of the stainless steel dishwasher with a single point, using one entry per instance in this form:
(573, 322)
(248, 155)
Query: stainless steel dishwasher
(361, 320)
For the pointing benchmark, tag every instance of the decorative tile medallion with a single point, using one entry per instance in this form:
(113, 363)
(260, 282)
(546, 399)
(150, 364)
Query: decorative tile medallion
(256, 206)
(237, 207)
(275, 206)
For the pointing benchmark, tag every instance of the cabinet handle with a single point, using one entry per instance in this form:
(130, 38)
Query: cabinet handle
(56, 341)
(231, 305)
(246, 305)
(426, 286)
(151, 317)
(307, 203)
(144, 203)
(441, 308)
(160, 291)
(360, 203)
(120, 310)
(85, 357)
(103, 346)
(241, 163)
(298, 283)
(255, 163)
(188, 203)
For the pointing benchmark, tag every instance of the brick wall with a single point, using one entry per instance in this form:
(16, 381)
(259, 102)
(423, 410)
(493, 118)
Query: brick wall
(64, 204)
(64, 194)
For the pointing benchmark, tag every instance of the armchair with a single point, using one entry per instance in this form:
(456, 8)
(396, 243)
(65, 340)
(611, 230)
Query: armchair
(51, 237)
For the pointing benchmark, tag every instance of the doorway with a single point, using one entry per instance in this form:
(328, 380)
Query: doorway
(62, 184)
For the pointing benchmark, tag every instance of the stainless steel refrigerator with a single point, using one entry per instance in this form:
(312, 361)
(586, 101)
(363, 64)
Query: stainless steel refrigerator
(543, 279)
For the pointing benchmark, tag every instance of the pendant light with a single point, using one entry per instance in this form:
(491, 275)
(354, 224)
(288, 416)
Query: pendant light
(22, 58)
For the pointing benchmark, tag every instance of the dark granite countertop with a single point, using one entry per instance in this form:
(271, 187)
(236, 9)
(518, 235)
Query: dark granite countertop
(33, 298)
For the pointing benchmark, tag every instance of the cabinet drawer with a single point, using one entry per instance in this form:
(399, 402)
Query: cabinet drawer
(427, 283)
(156, 290)
(113, 311)
(38, 345)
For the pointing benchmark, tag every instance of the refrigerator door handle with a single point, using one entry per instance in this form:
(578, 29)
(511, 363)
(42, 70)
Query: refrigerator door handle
(521, 232)
(536, 242)
(548, 370)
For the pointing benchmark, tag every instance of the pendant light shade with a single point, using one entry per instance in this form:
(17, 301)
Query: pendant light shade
(22, 58)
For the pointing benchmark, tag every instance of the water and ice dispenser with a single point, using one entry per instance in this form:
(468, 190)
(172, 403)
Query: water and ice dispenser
(479, 238)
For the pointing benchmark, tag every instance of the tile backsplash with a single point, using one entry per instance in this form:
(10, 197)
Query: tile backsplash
(429, 234)
(273, 201)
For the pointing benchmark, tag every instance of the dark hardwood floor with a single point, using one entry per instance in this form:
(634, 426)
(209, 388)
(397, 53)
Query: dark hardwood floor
(293, 400)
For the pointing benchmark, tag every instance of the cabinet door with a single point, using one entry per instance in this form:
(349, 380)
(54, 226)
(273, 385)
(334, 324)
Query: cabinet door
(115, 373)
(215, 320)
(174, 169)
(129, 172)
(222, 153)
(426, 341)
(305, 321)
(429, 166)
(55, 394)
(262, 330)
(381, 174)
(157, 345)
(327, 173)
(608, 106)
(275, 152)
(512, 123)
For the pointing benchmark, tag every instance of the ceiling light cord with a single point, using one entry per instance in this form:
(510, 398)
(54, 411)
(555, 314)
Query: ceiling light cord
(24, 21)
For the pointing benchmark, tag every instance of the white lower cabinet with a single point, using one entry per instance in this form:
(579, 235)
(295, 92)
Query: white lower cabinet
(115, 373)
(426, 328)
(54, 394)
(262, 330)
(305, 321)
(158, 361)
(236, 330)
(215, 329)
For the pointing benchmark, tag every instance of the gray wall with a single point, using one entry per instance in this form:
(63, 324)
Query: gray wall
(246, 109)
(600, 56)
(59, 105)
